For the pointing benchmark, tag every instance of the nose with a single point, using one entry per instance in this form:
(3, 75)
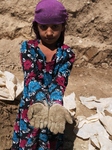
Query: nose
(49, 31)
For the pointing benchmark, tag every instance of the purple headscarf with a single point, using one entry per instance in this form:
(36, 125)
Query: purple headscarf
(50, 12)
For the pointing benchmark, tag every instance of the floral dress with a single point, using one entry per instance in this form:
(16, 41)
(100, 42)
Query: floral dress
(42, 81)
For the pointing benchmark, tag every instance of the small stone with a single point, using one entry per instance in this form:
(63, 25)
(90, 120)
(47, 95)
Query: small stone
(104, 65)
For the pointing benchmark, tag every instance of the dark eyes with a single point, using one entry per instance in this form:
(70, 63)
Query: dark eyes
(45, 27)
(55, 26)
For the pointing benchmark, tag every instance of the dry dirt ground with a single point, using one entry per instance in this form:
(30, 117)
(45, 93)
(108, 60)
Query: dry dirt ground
(89, 34)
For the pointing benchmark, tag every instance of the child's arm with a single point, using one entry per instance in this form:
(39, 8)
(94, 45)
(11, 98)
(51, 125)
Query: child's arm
(38, 109)
(58, 115)
(31, 85)
(59, 83)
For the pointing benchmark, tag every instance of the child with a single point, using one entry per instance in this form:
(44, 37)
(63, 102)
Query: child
(46, 63)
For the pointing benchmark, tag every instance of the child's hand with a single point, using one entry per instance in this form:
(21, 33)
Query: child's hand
(58, 116)
(38, 115)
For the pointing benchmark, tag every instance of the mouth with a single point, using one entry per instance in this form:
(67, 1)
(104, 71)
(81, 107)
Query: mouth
(49, 39)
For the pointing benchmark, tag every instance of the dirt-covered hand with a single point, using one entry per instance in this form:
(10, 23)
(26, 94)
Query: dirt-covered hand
(38, 115)
(58, 116)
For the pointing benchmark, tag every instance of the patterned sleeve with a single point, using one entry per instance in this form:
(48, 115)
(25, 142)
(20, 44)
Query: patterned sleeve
(33, 89)
(59, 83)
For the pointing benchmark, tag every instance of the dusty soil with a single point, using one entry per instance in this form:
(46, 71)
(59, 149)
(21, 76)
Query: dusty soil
(89, 34)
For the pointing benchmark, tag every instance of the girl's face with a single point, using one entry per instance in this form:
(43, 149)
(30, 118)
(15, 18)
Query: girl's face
(50, 33)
